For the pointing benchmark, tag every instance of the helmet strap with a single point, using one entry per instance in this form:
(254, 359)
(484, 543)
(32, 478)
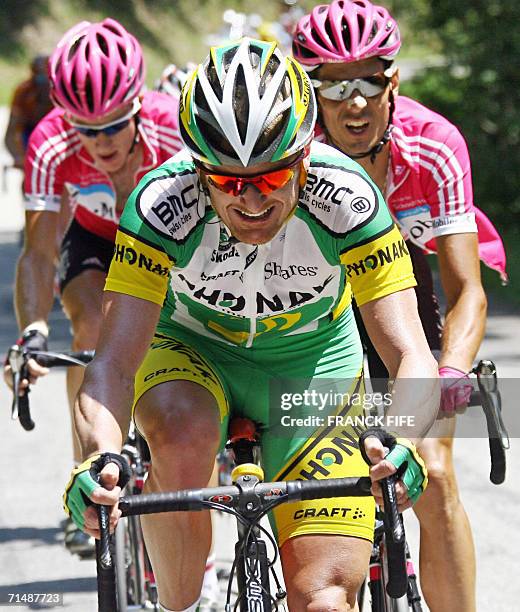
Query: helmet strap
(137, 135)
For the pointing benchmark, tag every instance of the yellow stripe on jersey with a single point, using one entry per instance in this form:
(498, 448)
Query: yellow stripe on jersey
(380, 267)
(332, 451)
(344, 303)
(138, 269)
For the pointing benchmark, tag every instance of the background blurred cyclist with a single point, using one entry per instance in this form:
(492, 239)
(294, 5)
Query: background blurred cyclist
(31, 102)
(88, 153)
(420, 162)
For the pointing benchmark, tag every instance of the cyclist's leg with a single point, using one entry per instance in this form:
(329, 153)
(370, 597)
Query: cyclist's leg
(181, 411)
(446, 549)
(324, 572)
(447, 554)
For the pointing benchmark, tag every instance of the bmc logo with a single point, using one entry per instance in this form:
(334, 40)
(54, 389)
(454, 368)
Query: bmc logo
(360, 205)
(326, 189)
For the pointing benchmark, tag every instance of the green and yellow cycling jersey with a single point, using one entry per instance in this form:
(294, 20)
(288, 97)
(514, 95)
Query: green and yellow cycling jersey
(172, 249)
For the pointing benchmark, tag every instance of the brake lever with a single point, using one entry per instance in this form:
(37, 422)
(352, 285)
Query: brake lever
(487, 380)
(20, 410)
(16, 359)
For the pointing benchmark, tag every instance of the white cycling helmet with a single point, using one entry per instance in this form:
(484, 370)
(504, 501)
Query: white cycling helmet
(247, 104)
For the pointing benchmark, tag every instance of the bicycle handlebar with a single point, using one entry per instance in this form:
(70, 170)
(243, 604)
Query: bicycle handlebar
(18, 356)
(231, 496)
(395, 541)
(267, 495)
(106, 572)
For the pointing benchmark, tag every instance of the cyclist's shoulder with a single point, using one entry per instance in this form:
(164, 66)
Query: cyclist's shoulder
(338, 194)
(54, 123)
(159, 108)
(166, 200)
(53, 133)
(22, 91)
(159, 124)
(174, 172)
(417, 124)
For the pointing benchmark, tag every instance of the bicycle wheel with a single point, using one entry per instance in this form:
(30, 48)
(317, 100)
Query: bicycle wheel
(377, 596)
(129, 563)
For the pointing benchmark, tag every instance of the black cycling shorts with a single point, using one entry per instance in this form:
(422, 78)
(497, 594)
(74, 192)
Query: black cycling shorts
(428, 307)
(82, 250)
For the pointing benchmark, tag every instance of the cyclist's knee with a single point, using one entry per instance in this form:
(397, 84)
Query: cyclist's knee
(85, 329)
(329, 599)
(318, 581)
(185, 431)
(81, 300)
(85, 322)
(441, 497)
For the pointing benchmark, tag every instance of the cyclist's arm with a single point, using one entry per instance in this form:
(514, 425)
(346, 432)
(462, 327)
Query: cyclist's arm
(34, 290)
(103, 407)
(464, 326)
(395, 329)
(14, 140)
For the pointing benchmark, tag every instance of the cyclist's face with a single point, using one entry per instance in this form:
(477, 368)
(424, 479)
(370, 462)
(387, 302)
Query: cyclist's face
(358, 123)
(109, 152)
(254, 217)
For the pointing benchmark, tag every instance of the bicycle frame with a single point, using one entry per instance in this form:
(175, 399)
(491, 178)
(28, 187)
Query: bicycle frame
(253, 563)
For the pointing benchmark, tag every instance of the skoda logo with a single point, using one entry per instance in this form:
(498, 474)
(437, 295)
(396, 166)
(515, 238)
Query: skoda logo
(360, 205)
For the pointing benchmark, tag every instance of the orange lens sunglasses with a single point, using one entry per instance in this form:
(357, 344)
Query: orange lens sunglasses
(266, 182)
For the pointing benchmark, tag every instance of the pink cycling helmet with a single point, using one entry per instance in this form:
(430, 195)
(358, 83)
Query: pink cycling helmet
(95, 69)
(345, 31)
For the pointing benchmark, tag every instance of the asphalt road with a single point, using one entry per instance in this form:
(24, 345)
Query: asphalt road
(35, 467)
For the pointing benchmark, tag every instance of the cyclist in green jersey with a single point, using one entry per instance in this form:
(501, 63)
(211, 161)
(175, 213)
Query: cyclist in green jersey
(230, 293)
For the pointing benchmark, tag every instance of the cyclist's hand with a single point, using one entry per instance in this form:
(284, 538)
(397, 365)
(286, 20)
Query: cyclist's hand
(389, 455)
(456, 390)
(84, 489)
(32, 340)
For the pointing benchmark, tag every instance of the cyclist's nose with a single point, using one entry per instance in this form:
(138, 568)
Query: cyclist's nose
(251, 195)
(356, 101)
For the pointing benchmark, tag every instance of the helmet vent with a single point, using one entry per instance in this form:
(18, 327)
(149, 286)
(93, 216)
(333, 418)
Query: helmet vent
(123, 54)
(241, 104)
(117, 81)
(214, 81)
(88, 94)
(66, 94)
(215, 139)
(316, 36)
(102, 44)
(267, 77)
(73, 49)
(373, 33)
(345, 32)
(303, 52)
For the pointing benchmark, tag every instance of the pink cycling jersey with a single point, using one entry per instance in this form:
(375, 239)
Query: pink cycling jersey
(56, 160)
(429, 190)
(429, 185)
